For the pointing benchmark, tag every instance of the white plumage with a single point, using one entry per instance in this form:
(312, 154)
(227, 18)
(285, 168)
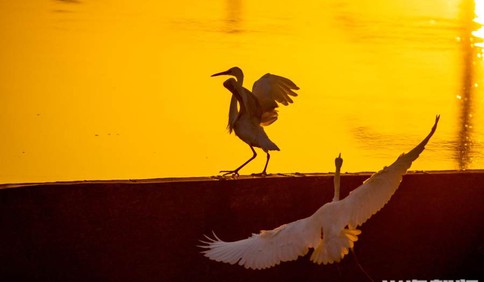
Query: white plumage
(257, 109)
(336, 221)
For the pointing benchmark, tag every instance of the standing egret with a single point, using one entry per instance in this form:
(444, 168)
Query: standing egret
(331, 230)
(257, 109)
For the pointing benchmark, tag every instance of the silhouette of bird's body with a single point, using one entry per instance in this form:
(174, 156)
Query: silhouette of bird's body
(249, 111)
(330, 231)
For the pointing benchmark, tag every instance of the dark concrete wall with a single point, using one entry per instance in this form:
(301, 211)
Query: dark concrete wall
(433, 227)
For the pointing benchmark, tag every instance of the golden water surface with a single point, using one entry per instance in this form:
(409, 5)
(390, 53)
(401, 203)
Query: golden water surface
(122, 89)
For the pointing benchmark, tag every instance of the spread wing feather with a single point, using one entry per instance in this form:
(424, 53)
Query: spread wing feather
(271, 89)
(340, 218)
(268, 248)
(375, 192)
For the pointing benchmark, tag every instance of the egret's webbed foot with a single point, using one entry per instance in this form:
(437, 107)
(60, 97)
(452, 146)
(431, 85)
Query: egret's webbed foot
(235, 172)
(232, 173)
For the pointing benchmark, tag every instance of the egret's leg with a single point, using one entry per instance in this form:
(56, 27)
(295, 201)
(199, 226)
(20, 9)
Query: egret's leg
(264, 173)
(359, 265)
(340, 274)
(235, 172)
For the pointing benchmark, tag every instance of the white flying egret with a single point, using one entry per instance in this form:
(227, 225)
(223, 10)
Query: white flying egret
(257, 109)
(331, 230)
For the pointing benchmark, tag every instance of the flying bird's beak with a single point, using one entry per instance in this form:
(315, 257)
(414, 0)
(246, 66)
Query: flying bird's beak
(221, 73)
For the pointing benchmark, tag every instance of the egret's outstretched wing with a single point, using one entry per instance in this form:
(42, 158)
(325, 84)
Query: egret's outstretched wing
(340, 218)
(375, 192)
(270, 89)
(268, 248)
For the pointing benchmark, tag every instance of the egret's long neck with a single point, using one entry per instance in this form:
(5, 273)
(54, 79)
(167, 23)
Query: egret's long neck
(237, 95)
(240, 79)
(338, 163)
(238, 74)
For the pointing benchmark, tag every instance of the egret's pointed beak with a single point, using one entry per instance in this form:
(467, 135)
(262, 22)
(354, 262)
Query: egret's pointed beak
(222, 73)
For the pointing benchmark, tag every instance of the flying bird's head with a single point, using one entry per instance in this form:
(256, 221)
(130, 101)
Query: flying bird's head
(235, 71)
(338, 162)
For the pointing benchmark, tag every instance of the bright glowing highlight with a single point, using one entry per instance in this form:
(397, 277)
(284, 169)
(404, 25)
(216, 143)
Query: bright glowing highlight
(479, 19)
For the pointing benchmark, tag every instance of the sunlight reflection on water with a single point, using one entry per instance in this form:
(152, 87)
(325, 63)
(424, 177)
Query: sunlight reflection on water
(107, 89)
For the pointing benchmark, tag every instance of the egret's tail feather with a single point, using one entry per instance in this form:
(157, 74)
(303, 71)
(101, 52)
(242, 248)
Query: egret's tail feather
(267, 145)
(333, 249)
